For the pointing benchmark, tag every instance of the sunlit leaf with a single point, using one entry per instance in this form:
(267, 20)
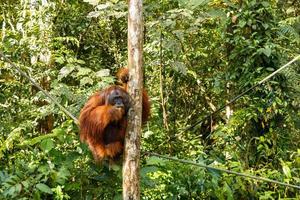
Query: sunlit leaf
(65, 71)
(103, 72)
(85, 81)
(94, 14)
(47, 145)
(103, 6)
(44, 188)
(286, 171)
(92, 2)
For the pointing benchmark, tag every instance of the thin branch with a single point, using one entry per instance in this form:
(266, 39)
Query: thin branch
(68, 113)
(224, 170)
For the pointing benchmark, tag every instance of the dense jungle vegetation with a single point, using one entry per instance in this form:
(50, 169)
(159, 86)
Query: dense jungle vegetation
(198, 55)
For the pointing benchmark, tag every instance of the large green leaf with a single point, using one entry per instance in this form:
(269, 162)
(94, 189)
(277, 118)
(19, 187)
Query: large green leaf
(44, 188)
(47, 145)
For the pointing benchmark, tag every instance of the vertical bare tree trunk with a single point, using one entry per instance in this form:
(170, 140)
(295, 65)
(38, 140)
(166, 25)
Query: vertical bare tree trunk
(131, 163)
(228, 107)
(163, 100)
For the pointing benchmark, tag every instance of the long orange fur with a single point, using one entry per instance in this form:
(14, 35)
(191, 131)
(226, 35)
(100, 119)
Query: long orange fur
(99, 120)
(123, 78)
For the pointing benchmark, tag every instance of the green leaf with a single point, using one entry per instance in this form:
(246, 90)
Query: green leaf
(92, 2)
(265, 25)
(193, 3)
(267, 51)
(80, 62)
(153, 160)
(25, 184)
(59, 132)
(47, 145)
(11, 191)
(118, 197)
(103, 73)
(242, 23)
(103, 6)
(61, 176)
(8, 143)
(85, 81)
(228, 191)
(265, 4)
(44, 188)
(94, 14)
(83, 71)
(116, 167)
(147, 134)
(18, 188)
(286, 171)
(38, 139)
(60, 60)
(65, 71)
(179, 67)
(148, 169)
(216, 13)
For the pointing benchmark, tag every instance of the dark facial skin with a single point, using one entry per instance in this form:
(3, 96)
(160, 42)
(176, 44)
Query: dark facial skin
(119, 99)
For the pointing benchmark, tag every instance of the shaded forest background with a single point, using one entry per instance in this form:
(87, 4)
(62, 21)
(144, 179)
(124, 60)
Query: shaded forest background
(198, 55)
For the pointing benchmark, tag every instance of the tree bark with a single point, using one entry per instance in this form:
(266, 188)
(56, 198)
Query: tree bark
(131, 163)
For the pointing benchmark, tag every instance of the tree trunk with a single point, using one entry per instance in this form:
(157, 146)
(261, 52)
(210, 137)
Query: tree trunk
(161, 80)
(131, 163)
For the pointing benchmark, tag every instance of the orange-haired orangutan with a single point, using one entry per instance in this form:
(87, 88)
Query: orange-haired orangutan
(103, 121)
(123, 78)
